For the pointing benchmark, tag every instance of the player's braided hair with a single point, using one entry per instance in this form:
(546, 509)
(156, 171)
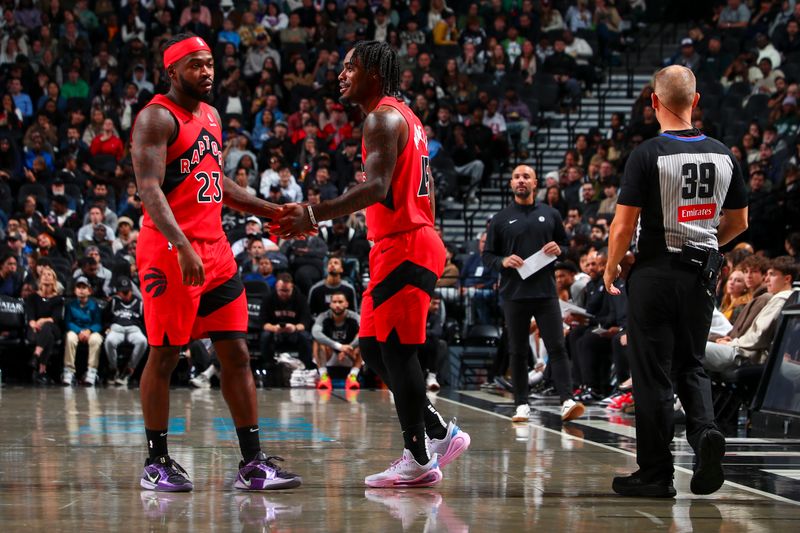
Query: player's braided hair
(379, 58)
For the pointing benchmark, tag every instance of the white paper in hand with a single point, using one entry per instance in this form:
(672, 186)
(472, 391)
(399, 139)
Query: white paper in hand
(534, 264)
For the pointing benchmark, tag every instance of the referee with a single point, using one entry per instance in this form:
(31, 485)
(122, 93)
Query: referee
(687, 192)
(515, 233)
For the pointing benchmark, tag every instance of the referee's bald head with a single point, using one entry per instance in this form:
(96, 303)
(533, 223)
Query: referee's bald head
(676, 87)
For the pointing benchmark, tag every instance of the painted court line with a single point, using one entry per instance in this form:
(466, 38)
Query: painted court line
(625, 452)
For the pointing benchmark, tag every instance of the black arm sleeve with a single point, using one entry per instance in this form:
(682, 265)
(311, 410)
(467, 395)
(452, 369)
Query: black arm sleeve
(632, 190)
(492, 252)
(736, 197)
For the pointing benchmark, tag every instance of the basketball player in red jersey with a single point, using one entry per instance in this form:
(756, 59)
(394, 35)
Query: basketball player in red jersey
(191, 286)
(407, 259)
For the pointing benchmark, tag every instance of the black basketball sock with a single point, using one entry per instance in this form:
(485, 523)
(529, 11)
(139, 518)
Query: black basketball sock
(434, 423)
(249, 442)
(414, 439)
(156, 442)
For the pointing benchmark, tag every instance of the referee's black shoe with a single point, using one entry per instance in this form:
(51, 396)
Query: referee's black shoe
(637, 487)
(708, 475)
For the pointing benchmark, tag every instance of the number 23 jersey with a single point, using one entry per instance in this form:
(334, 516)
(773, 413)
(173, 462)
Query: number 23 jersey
(681, 181)
(193, 177)
(407, 204)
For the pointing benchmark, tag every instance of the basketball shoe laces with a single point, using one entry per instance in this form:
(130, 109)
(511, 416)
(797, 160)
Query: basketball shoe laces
(175, 471)
(269, 462)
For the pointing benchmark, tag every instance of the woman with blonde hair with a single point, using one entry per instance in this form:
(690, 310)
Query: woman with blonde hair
(44, 310)
(736, 295)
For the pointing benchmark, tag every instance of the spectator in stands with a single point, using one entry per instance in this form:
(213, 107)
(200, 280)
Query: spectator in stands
(264, 273)
(319, 296)
(687, 56)
(44, 311)
(445, 32)
(751, 345)
(518, 120)
(479, 287)
(763, 78)
(10, 276)
(788, 41)
(253, 228)
(579, 17)
(90, 266)
(335, 334)
(433, 350)
(125, 319)
(588, 204)
(61, 216)
(734, 16)
(715, 61)
(563, 69)
(286, 320)
(345, 241)
(736, 295)
(107, 143)
(75, 86)
(305, 256)
(125, 234)
(22, 100)
(90, 231)
(83, 321)
(471, 61)
(608, 204)
(764, 48)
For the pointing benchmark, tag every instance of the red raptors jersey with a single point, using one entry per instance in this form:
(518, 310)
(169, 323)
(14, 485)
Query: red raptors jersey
(407, 204)
(193, 176)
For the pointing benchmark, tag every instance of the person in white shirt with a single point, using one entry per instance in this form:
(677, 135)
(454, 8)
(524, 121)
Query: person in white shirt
(252, 228)
(753, 345)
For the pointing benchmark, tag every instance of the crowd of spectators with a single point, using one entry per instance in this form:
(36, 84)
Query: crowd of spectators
(74, 74)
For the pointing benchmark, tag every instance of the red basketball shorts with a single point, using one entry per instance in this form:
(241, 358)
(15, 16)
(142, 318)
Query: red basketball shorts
(403, 271)
(175, 313)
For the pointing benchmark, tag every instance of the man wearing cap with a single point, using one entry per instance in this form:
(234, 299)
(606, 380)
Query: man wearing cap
(687, 56)
(191, 283)
(83, 321)
(253, 229)
(125, 234)
(125, 317)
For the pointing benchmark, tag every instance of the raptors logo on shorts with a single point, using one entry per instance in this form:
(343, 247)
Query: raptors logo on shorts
(175, 313)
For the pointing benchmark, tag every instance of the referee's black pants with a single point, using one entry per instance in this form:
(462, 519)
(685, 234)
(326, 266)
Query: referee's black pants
(547, 312)
(669, 316)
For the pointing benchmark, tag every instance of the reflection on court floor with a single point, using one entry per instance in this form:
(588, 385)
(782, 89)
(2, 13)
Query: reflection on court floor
(71, 459)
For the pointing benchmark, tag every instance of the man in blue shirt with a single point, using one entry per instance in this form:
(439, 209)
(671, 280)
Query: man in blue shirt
(21, 100)
(83, 320)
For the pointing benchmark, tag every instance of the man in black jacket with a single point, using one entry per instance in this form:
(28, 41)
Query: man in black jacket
(124, 315)
(563, 68)
(515, 233)
(286, 322)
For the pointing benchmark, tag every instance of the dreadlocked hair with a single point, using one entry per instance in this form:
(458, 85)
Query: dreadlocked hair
(379, 58)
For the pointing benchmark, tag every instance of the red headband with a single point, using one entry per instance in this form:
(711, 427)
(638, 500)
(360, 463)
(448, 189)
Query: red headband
(183, 48)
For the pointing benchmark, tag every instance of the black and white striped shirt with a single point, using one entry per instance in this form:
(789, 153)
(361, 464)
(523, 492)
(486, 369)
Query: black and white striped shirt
(682, 181)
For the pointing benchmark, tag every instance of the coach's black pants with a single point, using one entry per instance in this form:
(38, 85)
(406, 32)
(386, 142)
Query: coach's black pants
(668, 320)
(547, 313)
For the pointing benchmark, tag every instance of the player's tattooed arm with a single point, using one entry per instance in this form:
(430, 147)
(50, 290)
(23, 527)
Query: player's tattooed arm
(236, 197)
(384, 128)
(154, 127)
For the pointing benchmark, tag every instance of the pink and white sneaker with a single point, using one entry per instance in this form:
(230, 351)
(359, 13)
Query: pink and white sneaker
(449, 448)
(407, 472)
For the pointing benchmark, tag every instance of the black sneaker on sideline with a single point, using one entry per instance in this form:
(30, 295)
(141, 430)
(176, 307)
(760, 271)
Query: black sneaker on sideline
(708, 476)
(634, 486)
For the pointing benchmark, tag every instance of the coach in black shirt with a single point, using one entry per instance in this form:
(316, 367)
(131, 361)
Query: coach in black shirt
(676, 185)
(515, 233)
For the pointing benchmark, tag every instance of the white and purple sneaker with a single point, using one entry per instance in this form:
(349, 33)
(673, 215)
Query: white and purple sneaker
(263, 474)
(454, 444)
(162, 474)
(407, 472)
